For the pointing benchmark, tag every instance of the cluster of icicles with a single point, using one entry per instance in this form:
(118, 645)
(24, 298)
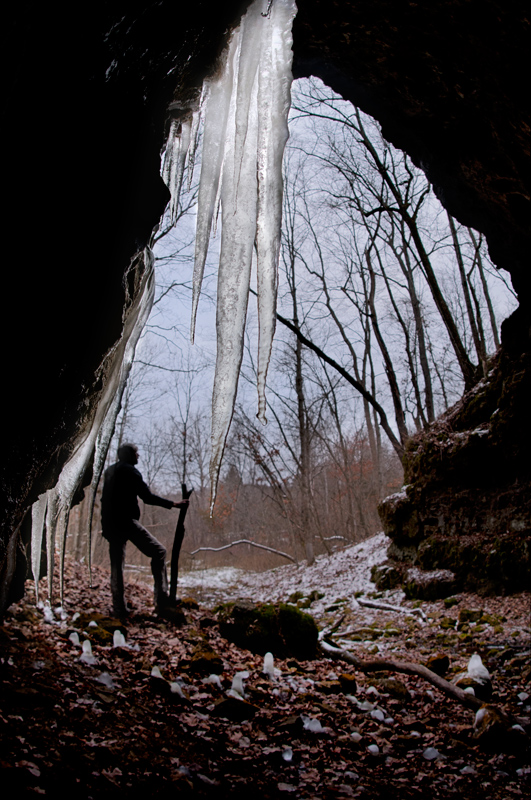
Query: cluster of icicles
(244, 109)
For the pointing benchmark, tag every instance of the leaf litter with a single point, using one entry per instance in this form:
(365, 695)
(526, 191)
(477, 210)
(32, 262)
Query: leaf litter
(141, 720)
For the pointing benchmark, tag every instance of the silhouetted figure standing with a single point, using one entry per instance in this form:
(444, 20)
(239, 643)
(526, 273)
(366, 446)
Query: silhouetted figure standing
(120, 513)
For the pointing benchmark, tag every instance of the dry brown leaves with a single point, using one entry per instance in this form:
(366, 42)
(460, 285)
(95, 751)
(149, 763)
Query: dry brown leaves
(65, 728)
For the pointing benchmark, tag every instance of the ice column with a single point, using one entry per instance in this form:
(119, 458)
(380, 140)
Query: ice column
(94, 439)
(246, 109)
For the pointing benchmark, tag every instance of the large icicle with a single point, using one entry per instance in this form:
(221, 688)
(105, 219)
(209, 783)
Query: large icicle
(38, 513)
(218, 99)
(59, 498)
(245, 132)
(174, 161)
(133, 326)
(251, 203)
(238, 233)
(274, 99)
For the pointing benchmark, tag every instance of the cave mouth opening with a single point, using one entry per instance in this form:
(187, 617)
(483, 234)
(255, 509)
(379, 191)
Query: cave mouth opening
(333, 218)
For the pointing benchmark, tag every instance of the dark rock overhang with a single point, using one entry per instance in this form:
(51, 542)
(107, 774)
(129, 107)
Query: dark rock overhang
(84, 119)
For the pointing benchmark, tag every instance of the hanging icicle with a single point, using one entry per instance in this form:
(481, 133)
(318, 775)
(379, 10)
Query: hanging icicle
(56, 503)
(246, 110)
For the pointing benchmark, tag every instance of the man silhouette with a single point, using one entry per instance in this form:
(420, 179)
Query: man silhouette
(120, 516)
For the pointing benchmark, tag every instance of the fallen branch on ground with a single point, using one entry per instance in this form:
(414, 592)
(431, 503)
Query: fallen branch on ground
(244, 541)
(387, 607)
(408, 668)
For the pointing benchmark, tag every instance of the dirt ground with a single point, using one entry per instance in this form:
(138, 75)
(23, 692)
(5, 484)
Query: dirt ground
(319, 729)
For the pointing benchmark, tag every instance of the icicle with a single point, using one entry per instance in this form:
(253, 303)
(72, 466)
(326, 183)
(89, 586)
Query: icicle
(96, 438)
(134, 321)
(245, 132)
(274, 99)
(38, 513)
(174, 161)
(238, 231)
(251, 201)
(194, 141)
(218, 94)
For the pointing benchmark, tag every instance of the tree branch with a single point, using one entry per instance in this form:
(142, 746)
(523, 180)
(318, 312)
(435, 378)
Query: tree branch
(408, 668)
(244, 541)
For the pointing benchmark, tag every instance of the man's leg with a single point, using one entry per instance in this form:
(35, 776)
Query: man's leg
(117, 555)
(154, 550)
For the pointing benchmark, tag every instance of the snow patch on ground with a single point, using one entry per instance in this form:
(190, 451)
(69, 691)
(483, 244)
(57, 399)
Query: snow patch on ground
(341, 575)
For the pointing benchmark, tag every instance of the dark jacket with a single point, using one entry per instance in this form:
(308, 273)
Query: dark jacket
(122, 485)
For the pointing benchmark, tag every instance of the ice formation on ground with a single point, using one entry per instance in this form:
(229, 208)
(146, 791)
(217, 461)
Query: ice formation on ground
(245, 108)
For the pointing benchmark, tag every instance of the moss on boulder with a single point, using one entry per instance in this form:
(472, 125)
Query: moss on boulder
(279, 628)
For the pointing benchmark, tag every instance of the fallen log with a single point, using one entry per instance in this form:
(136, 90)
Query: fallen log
(408, 668)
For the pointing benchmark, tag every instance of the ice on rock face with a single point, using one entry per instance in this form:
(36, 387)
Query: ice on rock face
(38, 513)
(93, 440)
(245, 111)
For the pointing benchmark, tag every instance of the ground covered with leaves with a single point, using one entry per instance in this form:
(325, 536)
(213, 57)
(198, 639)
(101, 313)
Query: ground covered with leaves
(111, 725)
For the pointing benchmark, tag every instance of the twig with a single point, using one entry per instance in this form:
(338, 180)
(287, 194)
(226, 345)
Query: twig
(387, 607)
(407, 667)
(244, 541)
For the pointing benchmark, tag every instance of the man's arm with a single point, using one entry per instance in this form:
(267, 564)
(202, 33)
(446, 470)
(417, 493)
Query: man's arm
(145, 494)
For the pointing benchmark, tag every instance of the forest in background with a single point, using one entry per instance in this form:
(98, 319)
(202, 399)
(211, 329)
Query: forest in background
(388, 310)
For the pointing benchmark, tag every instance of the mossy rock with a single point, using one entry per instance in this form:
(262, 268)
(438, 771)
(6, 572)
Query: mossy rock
(394, 687)
(386, 576)
(103, 631)
(470, 615)
(205, 661)
(449, 602)
(306, 602)
(295, 597)
(279, 628)
(434, 585)
(439, 663)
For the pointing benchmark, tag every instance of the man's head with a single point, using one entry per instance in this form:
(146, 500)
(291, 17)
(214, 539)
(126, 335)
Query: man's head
(128, 453)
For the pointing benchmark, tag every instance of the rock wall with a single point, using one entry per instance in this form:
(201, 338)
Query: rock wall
(466, 505)
(85, 110)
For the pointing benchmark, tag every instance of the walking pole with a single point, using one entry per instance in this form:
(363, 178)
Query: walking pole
(177, 542)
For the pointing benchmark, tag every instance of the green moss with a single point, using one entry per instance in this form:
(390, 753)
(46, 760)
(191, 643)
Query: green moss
(280, 628)
(450, 601)
(447, 622)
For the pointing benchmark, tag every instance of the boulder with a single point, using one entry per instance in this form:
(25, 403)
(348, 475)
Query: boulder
(277, 628)
(433, 585)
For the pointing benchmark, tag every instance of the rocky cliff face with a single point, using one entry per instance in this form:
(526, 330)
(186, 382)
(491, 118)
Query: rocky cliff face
(466, 505)
(85, 116)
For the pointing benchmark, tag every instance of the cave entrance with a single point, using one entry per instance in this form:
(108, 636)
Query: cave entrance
(388, 309)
